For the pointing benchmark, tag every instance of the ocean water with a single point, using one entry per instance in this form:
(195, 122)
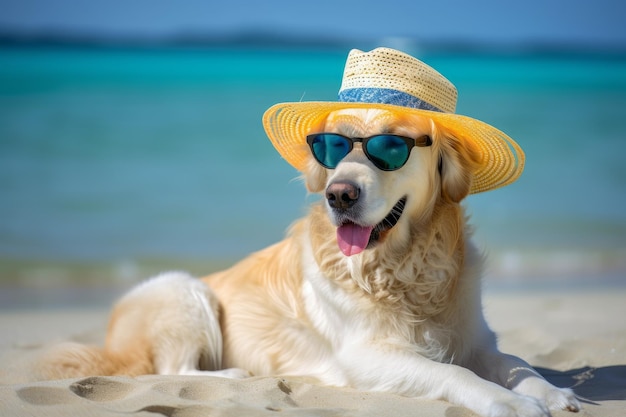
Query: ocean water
(112, 159)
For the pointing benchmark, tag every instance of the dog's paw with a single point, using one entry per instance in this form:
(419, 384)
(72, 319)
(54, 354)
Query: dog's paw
(562, 399)
(555, 398)
(521, 406)
(234, 373)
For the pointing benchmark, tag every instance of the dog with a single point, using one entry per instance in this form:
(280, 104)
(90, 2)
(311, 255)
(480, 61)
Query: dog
(377, 288)
(398, 311)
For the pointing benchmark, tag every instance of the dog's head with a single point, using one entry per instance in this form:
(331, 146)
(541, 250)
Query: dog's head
(367, 204)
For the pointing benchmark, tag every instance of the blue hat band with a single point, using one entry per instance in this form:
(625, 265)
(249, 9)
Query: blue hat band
(384, 96)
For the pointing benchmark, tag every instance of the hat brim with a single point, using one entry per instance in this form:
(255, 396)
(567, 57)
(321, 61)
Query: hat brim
(501, 160)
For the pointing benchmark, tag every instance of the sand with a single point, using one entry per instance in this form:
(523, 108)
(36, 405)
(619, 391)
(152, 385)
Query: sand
(575, 338)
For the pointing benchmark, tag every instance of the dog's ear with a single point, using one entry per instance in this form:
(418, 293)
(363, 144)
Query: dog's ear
(457, 162)
(315, 176)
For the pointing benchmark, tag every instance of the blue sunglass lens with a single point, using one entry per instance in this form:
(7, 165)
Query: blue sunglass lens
(330, 149)
(387, 152)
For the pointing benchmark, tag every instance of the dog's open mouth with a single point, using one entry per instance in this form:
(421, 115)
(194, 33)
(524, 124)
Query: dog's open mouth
(353, 238)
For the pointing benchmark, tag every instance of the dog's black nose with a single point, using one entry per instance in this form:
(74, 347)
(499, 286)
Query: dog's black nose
(342, 195)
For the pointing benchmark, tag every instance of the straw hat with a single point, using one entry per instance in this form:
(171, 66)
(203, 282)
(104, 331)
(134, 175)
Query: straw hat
(391, 80)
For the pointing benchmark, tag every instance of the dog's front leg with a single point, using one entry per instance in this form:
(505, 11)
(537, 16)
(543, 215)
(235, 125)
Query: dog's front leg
(514, 373)
(389, 368)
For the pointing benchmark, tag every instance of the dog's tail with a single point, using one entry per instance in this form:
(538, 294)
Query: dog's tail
(71, 360)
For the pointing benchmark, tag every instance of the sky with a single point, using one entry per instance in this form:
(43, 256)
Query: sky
(568, 22)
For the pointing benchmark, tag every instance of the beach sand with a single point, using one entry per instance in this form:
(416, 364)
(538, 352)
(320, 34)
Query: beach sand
(575, 338)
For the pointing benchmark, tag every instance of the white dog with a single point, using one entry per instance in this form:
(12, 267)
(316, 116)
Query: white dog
(378, 288)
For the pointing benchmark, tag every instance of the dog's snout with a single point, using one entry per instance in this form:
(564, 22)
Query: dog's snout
(342, 195)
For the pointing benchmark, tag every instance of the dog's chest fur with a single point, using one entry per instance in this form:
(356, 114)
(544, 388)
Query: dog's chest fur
(399, 292)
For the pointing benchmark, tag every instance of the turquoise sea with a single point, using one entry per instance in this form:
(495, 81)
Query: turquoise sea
(117, 161)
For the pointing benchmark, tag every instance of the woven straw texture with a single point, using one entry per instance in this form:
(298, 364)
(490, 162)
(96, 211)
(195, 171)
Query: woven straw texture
(288, 124)
(391, 69)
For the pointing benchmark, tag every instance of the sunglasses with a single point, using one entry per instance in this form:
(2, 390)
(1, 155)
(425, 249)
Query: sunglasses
(387, 152)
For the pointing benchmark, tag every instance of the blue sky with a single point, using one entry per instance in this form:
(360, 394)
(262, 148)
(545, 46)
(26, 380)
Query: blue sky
(573, 22)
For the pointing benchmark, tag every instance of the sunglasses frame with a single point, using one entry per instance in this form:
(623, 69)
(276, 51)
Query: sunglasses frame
(422, 141)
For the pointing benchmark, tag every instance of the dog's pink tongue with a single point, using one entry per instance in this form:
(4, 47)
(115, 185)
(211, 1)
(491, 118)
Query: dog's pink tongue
(352, 238)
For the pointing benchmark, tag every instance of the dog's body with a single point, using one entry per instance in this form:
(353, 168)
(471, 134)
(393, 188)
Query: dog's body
(402, 315)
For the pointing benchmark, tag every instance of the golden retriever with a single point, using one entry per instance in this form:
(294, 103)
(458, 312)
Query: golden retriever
(398, 312)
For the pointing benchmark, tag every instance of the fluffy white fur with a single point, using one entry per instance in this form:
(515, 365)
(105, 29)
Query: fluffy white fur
(403, 316)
